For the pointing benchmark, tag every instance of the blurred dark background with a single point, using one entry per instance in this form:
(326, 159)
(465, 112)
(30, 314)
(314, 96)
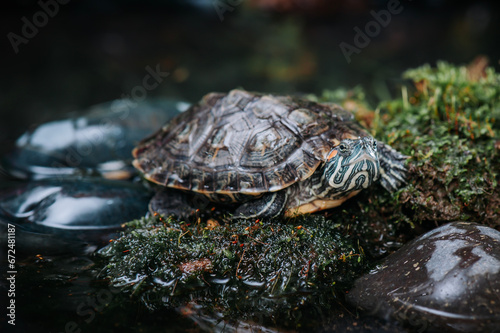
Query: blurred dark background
(98, 50)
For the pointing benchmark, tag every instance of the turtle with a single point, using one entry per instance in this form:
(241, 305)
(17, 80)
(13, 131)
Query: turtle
(270, 155)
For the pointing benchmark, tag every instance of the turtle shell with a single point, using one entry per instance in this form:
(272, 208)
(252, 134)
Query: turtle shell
(244, 142)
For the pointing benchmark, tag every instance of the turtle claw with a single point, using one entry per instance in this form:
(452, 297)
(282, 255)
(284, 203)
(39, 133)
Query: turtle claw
(392, 167)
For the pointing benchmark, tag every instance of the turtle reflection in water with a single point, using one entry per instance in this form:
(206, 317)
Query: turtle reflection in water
(269, 154)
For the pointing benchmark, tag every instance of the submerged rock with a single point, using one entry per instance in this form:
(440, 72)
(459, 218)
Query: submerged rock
(449, 278)
(98, 142)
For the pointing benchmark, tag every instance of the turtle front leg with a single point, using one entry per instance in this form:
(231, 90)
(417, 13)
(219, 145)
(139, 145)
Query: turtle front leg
(268, 206)
(392, 167)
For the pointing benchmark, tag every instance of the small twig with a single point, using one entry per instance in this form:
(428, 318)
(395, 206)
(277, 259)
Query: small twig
(181, 235)
(175, 286)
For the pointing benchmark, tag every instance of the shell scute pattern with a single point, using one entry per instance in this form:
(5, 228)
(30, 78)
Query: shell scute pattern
(251, 182)
(226, 181)
(269, 147)
(268, 107)
(179, 175)
(215, 152)
(201, 180)
(234, 102)
(244, 142)
(303, 118)
(278, 178)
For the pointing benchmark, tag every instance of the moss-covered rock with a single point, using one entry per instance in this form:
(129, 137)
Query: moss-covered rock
(275, 258)
(240, 269)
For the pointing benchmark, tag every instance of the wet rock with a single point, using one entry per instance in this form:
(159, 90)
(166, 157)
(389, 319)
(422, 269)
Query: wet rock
(449, 279)
(99, 142)
(51, 215)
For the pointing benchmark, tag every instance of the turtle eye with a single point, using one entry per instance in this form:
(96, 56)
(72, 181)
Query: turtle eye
(343, 148)
(375, 144)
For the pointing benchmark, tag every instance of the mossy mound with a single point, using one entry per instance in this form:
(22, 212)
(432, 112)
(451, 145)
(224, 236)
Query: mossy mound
(447, 122)
(240, 269)
(272, 257)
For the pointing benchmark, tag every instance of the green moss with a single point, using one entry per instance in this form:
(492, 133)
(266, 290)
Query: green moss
(446, 121)
(250, 265)
(277, 258)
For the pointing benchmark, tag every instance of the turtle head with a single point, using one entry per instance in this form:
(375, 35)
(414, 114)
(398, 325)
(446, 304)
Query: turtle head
(353, 165)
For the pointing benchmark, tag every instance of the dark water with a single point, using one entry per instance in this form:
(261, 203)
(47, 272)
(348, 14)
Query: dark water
(95, 51)
(64, 294)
